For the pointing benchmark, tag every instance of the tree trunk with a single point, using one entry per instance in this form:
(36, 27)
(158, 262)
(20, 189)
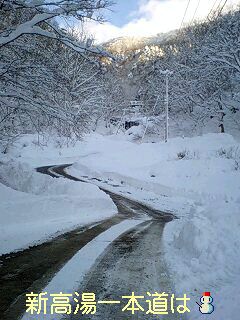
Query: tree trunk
(221, 119)
(222, 128)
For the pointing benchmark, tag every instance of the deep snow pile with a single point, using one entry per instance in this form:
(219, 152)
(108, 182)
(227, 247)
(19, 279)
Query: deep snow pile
(203, 247)
(34, 207)
(200, 166)
(203, 252)
(196, 178)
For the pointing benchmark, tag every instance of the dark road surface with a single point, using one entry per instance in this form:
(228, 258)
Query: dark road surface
(133, 262)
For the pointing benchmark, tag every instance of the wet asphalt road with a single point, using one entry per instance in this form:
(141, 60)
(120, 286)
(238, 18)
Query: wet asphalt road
(133, 262)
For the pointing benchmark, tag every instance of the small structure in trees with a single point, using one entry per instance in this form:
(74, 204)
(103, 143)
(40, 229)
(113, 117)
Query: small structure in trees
(130, 116)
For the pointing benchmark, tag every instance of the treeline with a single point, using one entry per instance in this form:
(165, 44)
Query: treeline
(56, 81)
(51, 79)
(204, 59)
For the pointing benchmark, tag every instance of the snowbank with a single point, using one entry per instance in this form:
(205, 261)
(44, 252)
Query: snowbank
(203, 253)
(182, 167)
(203, 247)
(196, 178)
(34, 207)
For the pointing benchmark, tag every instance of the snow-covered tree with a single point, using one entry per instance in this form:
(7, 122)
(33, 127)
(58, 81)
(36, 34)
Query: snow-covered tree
(44, 69)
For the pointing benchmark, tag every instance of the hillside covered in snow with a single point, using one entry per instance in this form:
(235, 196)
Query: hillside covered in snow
(122, 159)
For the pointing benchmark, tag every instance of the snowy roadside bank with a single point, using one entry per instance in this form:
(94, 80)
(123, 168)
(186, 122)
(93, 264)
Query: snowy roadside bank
(34, 207)
(206, 237)
(203, 252)
(191, 167)
(198, 179)
(203, 247)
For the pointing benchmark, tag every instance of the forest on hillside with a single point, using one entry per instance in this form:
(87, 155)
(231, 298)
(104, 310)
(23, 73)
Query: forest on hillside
(204, 63)
(54, 80)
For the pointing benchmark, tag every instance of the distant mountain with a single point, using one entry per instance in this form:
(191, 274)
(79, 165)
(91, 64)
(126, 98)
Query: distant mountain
(124, 45)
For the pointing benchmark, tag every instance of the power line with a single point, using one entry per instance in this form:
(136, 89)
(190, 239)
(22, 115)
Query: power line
(220, 11)
(219, 8)
(196, 11)
(218, 14)
(212, 9)
(215, 2)
(185, 13)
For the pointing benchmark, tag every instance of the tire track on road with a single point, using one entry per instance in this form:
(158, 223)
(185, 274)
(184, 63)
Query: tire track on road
(31, 269)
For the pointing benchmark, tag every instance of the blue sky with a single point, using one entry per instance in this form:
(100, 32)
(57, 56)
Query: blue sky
(139, 18)
(122, 12)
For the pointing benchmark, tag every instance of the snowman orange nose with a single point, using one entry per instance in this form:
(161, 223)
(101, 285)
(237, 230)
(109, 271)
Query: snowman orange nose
(206, 294)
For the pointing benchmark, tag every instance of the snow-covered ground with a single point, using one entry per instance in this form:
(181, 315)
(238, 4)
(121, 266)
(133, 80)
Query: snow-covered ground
(34, 207)
(203, 247)
(196, 178)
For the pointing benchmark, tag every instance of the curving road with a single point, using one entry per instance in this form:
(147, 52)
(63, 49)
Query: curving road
(132, 262)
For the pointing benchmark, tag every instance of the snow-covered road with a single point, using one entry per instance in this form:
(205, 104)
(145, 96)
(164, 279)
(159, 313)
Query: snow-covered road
(134, 262)
(116, 239)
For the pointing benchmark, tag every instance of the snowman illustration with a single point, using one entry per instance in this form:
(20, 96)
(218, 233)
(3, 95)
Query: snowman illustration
(206, 307)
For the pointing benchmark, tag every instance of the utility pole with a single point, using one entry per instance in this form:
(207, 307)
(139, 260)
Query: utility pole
(146, 127)
(121, 120)
(167, 73)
